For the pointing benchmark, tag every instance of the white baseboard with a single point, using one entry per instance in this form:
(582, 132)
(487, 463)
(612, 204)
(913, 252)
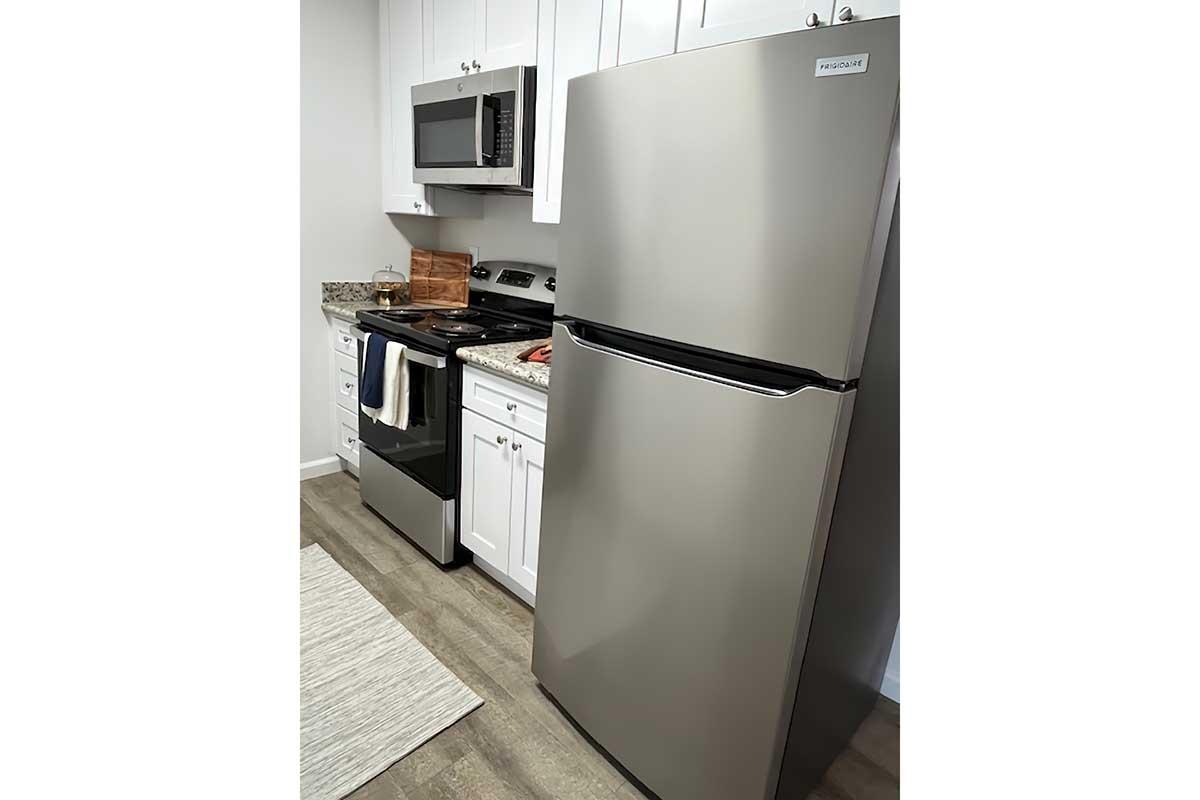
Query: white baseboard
(891, 686)
(319, 467)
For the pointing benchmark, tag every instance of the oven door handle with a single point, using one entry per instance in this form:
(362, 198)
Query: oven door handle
(415, 356)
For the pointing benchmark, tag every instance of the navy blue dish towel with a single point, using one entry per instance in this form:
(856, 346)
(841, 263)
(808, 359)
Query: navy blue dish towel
(370, 394)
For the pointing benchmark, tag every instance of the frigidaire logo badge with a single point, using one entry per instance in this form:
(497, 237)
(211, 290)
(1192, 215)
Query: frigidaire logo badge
(842, 65)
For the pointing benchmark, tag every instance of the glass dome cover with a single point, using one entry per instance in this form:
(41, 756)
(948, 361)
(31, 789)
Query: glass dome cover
(387, 277)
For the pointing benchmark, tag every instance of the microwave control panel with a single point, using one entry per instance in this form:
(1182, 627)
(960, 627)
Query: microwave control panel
(504, 129)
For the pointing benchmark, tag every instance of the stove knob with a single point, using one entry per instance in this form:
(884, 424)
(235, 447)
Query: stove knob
(482, 273)
(551, 283)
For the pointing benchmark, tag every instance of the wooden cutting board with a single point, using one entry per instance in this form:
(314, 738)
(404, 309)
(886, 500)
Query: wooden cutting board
(436, 276)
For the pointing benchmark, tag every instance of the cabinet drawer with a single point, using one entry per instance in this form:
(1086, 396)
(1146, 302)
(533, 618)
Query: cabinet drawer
(345, 375)
(511, 403)
(343, 339)
(347, 433)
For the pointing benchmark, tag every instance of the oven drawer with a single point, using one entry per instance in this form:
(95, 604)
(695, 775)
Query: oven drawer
(499, 399)
(346, 382)
(343, 338)
(347, 433)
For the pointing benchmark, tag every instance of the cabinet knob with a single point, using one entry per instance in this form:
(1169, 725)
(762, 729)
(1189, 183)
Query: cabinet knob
(464, 66)
(417, 206)
(511, 406)
(516, 446)
(813, 20)
(349, 386)
(846, 14)
(501, 439)
(475, 64)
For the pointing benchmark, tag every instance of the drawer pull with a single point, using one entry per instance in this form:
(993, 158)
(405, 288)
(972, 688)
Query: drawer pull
(501, 439)
(349, 386)
(516, 446)
(512, 406)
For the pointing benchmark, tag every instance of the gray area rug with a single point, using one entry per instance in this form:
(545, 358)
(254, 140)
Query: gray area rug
(370, 693)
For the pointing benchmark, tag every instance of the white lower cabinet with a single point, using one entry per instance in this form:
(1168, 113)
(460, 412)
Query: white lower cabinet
(529, 466)
(486, 494)
(343, 378)
(503, 464)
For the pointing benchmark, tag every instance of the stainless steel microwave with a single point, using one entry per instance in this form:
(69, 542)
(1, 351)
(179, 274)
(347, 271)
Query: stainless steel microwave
(476, 131)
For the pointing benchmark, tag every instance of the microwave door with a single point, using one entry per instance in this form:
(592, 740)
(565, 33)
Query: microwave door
(445, 134)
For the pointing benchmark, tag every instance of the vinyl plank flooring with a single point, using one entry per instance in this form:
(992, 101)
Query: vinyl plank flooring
(860, 779)
(341, 509)
(518, 744)
(351, 560)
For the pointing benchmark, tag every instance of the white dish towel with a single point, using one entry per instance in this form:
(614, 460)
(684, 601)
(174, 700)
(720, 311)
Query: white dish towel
(394, 411)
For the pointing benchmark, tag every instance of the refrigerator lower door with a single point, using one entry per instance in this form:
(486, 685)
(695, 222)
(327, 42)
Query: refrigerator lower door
(683, 525)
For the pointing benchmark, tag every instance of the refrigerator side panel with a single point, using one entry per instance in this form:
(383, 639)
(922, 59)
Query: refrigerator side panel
(683, 523)
(858, 595)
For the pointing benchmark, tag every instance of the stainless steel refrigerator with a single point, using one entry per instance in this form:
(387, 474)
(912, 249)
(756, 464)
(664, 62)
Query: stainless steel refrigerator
(718, 572)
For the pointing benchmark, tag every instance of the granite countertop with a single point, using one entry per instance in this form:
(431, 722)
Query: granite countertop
(502, 358)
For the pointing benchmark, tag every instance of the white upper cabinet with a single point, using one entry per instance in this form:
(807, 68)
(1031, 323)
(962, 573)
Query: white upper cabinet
(401, 56)
(703, 23)
(449, 28)
(477, 35)
(635, 31)
(850, 11)
(506, 33)
(568, 46)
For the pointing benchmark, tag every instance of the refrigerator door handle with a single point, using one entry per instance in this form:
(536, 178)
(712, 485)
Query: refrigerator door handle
(706, 376)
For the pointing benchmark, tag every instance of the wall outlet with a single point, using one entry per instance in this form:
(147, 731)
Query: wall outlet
(474, 251)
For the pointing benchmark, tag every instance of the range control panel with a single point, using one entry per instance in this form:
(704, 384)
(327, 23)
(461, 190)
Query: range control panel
(513, 277)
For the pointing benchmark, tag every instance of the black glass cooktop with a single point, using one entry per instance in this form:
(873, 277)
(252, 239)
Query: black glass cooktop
(448, 329)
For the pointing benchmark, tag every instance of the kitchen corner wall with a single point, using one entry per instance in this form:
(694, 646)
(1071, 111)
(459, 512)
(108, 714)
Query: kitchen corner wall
(505, 232)
(344, 233)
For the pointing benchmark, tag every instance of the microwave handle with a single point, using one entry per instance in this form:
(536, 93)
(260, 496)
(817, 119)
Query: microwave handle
(479, 154)
(479, 130)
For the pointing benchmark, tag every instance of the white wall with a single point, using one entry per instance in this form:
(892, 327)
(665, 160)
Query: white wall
(505, 232)
(891, 676)
(344, 234)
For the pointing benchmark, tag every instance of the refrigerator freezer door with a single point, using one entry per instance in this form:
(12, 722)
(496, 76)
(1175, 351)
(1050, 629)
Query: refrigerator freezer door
(683, 525)
(728, 198)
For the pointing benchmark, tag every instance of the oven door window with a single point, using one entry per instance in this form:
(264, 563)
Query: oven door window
(421, 450)
(448, 133)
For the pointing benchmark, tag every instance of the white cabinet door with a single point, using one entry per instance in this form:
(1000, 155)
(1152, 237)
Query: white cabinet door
(486, 488)
(568, 46)
(400, 54)
(647, 30)
(858, 10)
(525, 529)
(703, 23)
(505, 33)
(400, 57)
(449, 37)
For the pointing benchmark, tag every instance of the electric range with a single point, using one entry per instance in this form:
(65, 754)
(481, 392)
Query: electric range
(410, 477)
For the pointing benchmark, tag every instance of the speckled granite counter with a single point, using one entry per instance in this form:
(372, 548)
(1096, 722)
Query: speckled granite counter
(502, 358)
